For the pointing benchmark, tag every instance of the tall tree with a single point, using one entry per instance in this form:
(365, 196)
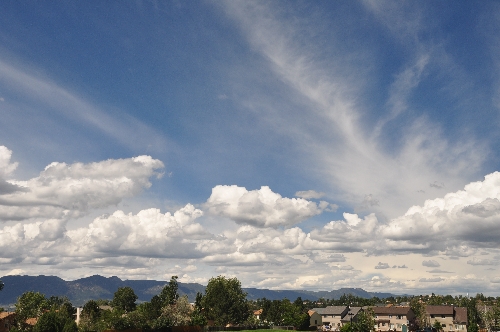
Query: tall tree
(225, 302)
(197, 317)
(168, 295)
(31, 305)
(473, 317)
(365, 321)
(124, 299)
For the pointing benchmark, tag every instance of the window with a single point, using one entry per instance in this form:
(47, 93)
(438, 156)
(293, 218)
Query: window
(399, 317)
(390, 316)
(443, 325)
(432, 316)
(443, 316)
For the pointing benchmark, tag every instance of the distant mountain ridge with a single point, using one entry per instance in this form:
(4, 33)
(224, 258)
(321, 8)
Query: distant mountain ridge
(98, 287)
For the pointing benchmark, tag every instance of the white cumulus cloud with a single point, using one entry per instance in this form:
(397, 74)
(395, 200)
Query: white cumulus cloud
(63, 191)
(260, 208)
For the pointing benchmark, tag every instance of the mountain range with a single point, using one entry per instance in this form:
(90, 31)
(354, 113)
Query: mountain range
(98, 287)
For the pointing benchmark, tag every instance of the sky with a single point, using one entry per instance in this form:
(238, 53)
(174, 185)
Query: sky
(293, 145)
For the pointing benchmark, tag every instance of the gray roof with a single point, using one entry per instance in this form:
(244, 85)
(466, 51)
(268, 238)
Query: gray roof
(330, 310)
(354, 311)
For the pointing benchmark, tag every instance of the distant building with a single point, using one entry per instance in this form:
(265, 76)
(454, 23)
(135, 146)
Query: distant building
(401, 319)
(331, 316)
(314, 318)
(451, 318)
(6, 320)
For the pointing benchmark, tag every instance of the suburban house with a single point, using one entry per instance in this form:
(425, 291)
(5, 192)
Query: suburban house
(334, 317)
(393, 318)
(331, 316)
(314, 318)
(352, 315)
(451, 318)
(6, 320)
(257, 313)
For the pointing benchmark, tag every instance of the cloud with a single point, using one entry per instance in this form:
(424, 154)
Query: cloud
(431, 263)
(437, 185)
(477, 262)
(6, 167)
(487, 208)
(44, 93)
(309, 194)
(381, 266)
(476, 226)
(64, 191)
(260, 208)
(439, 271)
(351, 159)
(439, 279)
(369, 200)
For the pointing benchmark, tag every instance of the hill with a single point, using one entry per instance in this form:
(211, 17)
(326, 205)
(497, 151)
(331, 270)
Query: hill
(98, 287)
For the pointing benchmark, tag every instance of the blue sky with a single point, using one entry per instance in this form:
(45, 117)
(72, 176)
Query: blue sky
(312, 145)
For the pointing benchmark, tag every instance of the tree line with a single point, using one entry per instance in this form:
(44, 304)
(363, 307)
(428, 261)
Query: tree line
(223, 303)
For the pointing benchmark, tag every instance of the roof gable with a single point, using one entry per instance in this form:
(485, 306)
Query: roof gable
(391, 310)
(439, 309)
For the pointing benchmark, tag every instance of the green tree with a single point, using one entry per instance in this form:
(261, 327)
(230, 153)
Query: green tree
(419, 309)
(31, 305)
(168, 295)
(124, 299)
(473, 317)
(179, 313)
(1, 285)
(437, 326)
(197, 317)
(365, 321)
(53, 321)
(225, 301)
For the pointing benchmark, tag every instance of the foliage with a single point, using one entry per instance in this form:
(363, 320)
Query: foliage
(365, 321)
(178, 314)
(197, 316)
(437, 326)
(1, 285)
(419, 309)
(31, 305)
(53, 321)
(124, 299)
(225, 302)
(285, 313)
(347, 327)
(473, 317)
(115, 319)
(168, 295)
(490, 317)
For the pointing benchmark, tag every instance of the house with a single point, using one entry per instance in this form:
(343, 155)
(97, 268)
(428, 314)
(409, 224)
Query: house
(6, 320)
(393, 318)
(257, 313)
(451, 318)
(331, 316)
(460, 319)
(351, 316)
(314, 318)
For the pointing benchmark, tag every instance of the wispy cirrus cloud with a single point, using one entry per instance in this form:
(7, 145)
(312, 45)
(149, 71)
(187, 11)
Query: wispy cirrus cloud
(35, 89)
(349, 155)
